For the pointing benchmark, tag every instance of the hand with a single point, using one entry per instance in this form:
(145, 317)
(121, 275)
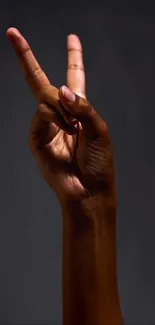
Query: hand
(68, 138)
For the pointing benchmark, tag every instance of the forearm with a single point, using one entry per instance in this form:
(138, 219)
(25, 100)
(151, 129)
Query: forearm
(90, 295)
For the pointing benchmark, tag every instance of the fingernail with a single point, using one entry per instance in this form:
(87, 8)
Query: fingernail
(72, 120)
(68, 94)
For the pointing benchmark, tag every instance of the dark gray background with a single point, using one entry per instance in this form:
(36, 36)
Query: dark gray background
(119, 51)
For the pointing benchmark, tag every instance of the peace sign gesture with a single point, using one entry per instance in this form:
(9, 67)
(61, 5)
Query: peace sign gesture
(68, 138)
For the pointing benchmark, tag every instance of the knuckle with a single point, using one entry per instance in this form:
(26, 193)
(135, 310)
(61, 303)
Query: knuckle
(46, 112)
(24, 50)
(70, 49)
(85, 108)
(75, 67)
(37, 71)
(41, 107)
(43, 110)
(91, 110)
(103, 128)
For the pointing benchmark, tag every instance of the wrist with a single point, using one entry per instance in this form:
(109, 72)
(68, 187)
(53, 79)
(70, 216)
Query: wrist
(94, 207)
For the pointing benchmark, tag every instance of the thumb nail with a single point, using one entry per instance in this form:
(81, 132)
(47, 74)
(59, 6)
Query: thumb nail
(68, 95)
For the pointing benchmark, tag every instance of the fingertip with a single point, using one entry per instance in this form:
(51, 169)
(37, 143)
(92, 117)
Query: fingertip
(68, 95)
(61, 90)
(73, 42)
(73, 36)
(12, 32)
(60, 93)
(64, 100)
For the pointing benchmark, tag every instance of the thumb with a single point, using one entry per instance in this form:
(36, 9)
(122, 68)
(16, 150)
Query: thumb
(92, 124)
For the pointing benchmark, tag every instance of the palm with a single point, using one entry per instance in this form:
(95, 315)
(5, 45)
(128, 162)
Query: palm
(63, 162)
(61, 153)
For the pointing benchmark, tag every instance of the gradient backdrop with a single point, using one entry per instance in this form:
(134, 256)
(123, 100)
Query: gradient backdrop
(119, 52)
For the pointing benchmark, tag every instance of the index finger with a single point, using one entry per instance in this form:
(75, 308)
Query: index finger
(43, 90)
(35, 76)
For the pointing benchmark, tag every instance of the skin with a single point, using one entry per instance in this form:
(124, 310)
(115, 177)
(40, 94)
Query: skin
(71, 145)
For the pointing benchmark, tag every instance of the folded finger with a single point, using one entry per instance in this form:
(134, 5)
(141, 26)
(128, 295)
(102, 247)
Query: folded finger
(49, 114)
